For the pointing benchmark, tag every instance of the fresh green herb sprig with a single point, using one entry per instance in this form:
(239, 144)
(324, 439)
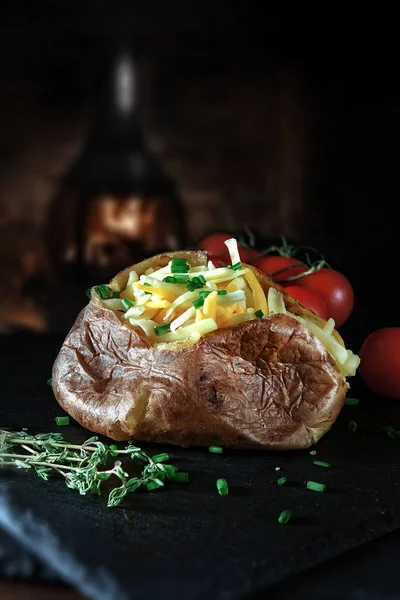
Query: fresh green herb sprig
(79, 465)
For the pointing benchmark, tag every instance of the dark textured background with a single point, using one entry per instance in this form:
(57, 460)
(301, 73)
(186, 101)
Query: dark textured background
(284, 119)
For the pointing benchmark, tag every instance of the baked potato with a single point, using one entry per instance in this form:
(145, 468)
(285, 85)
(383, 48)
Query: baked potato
(174, 350)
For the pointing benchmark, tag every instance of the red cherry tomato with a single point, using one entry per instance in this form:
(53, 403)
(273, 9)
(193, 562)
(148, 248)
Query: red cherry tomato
(272, 264)
(247, 254)
(214, 245)
(334, 289)
(380, 362)
(308, 299)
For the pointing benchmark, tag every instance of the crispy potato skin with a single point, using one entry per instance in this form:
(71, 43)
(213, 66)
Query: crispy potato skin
(267, 384)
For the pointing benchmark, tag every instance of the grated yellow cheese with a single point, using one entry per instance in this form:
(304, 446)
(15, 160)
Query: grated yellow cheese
(260, 301)
(210, 306)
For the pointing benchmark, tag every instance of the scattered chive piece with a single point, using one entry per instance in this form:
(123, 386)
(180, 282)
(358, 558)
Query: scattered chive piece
(281, 480)
(285, 517)
(160, 329)
(190, 286)
(198, 303)
(50, 382)
(202, 280)
(89, 293)
(158, 458)
(222, 292)
(351, 401)
(126, 303)
(259, 313)
(179, 261)
(204, 294)
(352, 426)
(114, 450)
(197, 282)
(179, 268)
(321, 463)
(154, 485)
(62, 420)
(170, 279)
(181, 278)
(180, 477)
(315, 486)
(216, 449)
(222, 487)
(116, 295)
(236, 267)
(103, 291)
(391, 432)
(170, 471)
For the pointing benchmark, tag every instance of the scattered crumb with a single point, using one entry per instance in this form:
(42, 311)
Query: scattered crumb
(117, 463)
(277, 468)
(313, 452)
(24, 429)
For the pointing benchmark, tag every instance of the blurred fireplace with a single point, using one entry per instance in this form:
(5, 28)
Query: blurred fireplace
(233, 132)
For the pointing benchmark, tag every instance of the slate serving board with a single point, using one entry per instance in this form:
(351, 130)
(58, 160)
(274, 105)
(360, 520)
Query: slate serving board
(185, 540)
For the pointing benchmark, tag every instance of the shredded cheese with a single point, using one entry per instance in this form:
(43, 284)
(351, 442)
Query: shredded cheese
(230, 297)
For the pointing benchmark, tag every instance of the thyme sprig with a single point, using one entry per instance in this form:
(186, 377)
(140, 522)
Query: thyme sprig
(79, 464)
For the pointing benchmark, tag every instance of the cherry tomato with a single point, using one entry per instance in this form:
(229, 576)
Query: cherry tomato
(334, 289)
(247, 254)
(271, 264)
(380, 362)
(308, 299)
(214, 245)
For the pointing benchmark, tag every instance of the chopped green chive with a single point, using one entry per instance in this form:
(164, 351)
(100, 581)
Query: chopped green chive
(89, 293)
(352, 426)
(181, 477)
(216, 449)
(179, 261)
(62, 420)
(154, 485)
(198, 303)
(202, 280)
(321, 463)
(170, 471)
(285, 517)
(222, 487)
(113, 450)
(259, 313)
(351, 401)
(391, 432)
(50, 382)
(161, 329)
(315, 486)
(103, 291)
(236, 266)
(281, 480)
(179, 268)
(170, 279)
(190, 286)
(197, 282)
(204, 294)
(116, 295)
(126, 303)
(159, 458)
(222, 292)
(181, 278)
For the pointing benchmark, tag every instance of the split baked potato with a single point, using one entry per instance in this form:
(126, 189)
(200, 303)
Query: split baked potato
(174, 350)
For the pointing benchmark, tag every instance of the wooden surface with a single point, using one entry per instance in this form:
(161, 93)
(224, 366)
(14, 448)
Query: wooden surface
(26, 591)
